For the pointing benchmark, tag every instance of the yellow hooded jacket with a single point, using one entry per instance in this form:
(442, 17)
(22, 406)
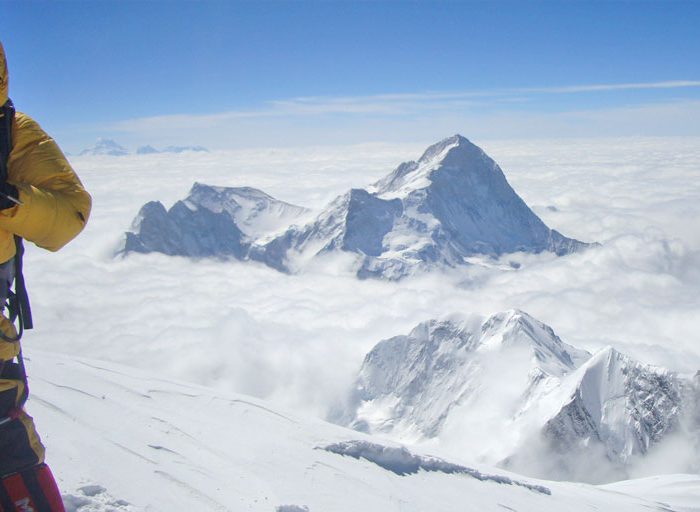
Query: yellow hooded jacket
(55, 205)
(54, 209)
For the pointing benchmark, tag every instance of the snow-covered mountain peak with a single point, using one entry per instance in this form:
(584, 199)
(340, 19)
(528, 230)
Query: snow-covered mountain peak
(210, 221)
(456, 153)
(216, 197)
(455, 150)
(452, 204)
(619, 404)
(105, 147)
(254, 212)
(451, 380)
(513, 327)
(444, 145)
(408, 384)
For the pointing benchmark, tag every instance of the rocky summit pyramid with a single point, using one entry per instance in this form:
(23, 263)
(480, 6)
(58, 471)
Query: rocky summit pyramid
(453, 203)
(508, 389)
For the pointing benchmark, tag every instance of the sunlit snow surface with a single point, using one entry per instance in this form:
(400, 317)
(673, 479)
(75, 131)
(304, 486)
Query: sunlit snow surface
(299, 340)
(125, 441)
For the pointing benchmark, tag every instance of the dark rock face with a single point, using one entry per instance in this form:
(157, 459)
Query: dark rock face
(368, 220)
(182, 231)
(210, 222)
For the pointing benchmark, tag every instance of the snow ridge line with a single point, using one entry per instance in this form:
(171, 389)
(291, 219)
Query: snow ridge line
(402, 462)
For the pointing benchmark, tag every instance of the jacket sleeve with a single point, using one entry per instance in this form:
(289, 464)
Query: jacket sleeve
(55, 205)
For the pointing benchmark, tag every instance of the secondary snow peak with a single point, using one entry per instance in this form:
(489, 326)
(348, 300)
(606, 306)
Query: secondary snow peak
(210, 221)
(551, 409)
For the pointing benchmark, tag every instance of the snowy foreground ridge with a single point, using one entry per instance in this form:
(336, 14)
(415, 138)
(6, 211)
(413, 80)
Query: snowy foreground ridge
(451, 204)
(120, 440)
(561, 413)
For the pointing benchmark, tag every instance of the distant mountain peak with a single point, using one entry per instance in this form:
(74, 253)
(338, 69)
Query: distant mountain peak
(451, 204)
(454, 162)
(105, 146)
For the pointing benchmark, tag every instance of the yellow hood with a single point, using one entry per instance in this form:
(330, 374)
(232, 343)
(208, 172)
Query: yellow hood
(3, 76)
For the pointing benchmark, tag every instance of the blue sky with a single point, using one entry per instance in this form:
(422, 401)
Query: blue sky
(280, 73)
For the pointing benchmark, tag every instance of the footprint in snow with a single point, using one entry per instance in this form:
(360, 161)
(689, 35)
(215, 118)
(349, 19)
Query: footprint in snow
(94, 498)
(291, 508)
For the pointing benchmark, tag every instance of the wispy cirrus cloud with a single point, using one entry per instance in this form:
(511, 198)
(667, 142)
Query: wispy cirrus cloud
(669, 84)
(402, 103)
(656, 110)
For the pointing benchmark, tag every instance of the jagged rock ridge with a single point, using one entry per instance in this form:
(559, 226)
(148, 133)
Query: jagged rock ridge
(568, 411)
(211, 221)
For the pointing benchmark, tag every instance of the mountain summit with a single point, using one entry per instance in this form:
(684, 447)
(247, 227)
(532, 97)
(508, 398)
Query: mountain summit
(211, 221)
(105, 147)
(506, 389)
(453, 203)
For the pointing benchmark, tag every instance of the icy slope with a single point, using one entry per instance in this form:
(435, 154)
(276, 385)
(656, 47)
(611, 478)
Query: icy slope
(509, 390)
(119, 440)
(679, 492)
(211, 221)
(454, 202)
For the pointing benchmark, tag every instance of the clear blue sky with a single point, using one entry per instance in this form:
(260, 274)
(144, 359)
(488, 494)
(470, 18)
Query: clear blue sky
(86, 69)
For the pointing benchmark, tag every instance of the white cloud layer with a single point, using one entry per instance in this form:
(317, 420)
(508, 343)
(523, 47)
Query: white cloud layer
(299, 339)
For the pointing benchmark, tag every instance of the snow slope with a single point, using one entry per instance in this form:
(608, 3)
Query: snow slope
(120, 440)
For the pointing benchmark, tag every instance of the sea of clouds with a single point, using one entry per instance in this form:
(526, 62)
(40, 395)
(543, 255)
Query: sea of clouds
(299, 340)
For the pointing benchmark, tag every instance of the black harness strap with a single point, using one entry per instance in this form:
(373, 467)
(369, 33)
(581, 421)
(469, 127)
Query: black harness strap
(18, 302)
(8, 115)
